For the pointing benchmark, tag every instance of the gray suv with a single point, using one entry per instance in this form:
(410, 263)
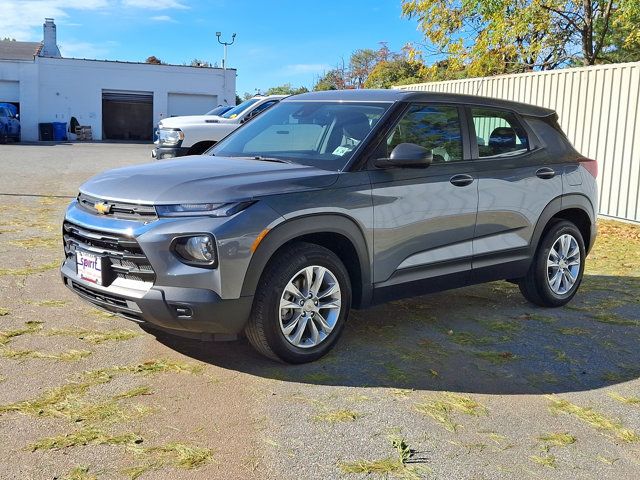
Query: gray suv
(333, 200)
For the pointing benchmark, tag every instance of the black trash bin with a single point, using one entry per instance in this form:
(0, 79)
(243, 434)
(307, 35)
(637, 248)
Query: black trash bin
(46, 132)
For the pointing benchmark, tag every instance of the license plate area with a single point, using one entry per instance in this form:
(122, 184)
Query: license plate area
(90, 267)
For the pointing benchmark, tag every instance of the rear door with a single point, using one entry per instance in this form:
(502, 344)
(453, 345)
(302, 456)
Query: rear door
(424, 218)
(516, 181)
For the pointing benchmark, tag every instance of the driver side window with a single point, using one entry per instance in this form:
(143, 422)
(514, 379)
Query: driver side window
(435, 127)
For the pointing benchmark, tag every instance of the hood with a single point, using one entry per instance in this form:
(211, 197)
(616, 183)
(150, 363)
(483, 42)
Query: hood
(204, 179)
(177, 122)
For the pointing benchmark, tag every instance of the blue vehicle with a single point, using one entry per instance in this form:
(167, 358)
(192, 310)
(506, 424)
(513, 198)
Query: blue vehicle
(9, 125)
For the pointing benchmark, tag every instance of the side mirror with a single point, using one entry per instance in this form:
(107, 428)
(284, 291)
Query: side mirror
(17, 117)
(407, 155)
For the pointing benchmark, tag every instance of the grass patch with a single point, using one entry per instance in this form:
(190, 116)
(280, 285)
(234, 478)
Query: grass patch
(537, 318)
(614, 319)
(395, 373)
(467, 338)
(134, 392)
(398, 465)
(557, 439)
(4, 312)
(626, 400)
(38, 242)
(85, 436)
(559, 355)
(30, 327)
(52, 303)
(318, 377)
(79, 473)
(442, 409)
(26, 271)
(573, 331)
(496, 357)
(24, 354)
(337, 416)
(596, 420)
(181, 455)
(95, 337)
(501, 326)
(544, 460)
(543, 378)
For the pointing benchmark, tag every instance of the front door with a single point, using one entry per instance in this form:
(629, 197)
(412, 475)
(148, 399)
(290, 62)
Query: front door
(424, 218)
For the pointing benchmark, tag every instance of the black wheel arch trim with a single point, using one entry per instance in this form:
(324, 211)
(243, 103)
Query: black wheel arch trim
(558, 205)
(306, 225)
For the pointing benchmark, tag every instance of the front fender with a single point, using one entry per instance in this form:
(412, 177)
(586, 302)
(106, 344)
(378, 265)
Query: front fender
(300, 226)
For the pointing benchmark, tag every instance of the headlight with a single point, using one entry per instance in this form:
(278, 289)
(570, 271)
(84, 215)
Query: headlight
(201, 209)
(197, 250)
(170, 136)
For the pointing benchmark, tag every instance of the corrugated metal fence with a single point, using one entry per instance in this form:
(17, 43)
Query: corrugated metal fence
(599, 110)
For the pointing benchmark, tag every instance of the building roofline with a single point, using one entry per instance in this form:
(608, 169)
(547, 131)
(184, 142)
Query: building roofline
(124, 62)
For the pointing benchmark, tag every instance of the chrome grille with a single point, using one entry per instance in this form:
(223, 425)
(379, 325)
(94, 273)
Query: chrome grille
(126, 258)
(125, 211)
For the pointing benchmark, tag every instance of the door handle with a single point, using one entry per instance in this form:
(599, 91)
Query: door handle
(545, 173)
(461, 180)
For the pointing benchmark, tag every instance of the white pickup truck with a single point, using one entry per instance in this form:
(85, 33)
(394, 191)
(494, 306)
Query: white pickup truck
(194, 134)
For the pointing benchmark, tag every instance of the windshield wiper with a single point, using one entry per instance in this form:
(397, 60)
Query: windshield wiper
(269, 159)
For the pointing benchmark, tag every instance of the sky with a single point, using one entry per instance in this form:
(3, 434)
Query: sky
(277, 42)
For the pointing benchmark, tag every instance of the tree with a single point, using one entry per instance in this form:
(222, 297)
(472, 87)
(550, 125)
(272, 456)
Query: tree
(8, 39)
(597, 27)
(361, 63)
(286, 89)
(481, 37)
(334, 79)
(395, 72)
(489, 37)
(154, 60)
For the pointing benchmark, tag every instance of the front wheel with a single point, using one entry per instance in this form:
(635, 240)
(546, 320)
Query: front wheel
(301, 304)
(556, 272)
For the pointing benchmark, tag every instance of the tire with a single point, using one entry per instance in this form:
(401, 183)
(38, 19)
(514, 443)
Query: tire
(545, 284)
(4, 137)
(272, 330)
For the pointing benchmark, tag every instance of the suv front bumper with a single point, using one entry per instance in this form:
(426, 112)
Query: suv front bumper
(169, 152)
(145, 281)
(176, 308)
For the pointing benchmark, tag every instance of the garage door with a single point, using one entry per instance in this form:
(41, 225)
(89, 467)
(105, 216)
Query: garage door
(127, 115)
(9, 91)
(190, 104)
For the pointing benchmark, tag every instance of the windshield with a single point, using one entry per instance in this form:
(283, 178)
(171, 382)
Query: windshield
(218, 110)
(238, 109)
(320, 134)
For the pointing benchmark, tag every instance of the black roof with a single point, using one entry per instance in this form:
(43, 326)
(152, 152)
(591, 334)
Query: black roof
(366, 95)
(10, 50)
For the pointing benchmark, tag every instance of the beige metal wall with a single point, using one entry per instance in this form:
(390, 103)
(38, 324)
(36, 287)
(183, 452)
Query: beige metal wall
(599, 110)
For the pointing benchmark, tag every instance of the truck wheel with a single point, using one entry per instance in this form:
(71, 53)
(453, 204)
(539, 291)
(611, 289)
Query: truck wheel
(301, 304)
(556, 271)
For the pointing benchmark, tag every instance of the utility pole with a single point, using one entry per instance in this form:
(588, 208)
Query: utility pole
(226, 44)
(224, 62)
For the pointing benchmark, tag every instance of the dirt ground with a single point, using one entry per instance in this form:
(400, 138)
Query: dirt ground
(467, 384)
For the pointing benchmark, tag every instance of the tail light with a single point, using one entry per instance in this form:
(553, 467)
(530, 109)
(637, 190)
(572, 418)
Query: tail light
(590, 165)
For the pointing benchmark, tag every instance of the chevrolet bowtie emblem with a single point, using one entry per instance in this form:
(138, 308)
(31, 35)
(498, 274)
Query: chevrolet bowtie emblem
(102, 207)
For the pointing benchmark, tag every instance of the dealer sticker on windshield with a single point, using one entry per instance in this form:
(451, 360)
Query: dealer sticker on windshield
(89, 267)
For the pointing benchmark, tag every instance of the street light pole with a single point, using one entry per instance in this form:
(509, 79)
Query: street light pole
(224, 62)
(225, 44)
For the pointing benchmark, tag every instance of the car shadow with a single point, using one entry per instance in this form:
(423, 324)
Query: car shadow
(480, 339)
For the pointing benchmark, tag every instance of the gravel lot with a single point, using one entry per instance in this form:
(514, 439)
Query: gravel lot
(468, 384)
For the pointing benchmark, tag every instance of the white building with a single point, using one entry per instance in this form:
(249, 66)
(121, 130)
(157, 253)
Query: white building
(119, 100)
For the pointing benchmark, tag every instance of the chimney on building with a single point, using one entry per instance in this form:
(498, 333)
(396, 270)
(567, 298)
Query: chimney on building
(50, 43)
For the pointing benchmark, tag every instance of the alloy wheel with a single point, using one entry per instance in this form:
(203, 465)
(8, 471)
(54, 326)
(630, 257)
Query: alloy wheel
(310, 306)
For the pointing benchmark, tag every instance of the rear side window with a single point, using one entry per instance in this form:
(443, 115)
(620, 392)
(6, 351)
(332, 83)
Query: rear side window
(435, 127)
(499, 133)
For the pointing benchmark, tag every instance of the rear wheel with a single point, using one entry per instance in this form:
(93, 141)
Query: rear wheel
(301, 304)
(556, 272)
